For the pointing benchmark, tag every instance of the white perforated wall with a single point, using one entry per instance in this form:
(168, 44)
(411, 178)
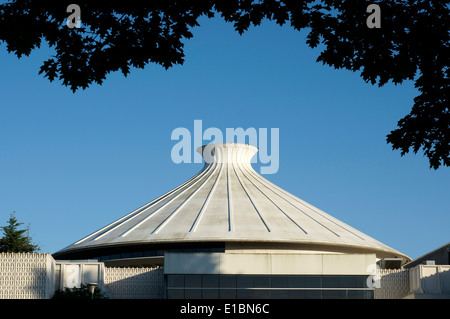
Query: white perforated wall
(26, 276)
(135, 283)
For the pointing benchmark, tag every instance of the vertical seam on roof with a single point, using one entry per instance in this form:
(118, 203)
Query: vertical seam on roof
(176, 210)
(205, 203)
(193, 182)
(135, 213)
(228, 197)
(251, 201)
(302, 211)
(308, 206)
(273, 202)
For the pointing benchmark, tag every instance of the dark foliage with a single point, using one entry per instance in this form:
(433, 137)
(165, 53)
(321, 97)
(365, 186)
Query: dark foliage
(79, 293)
(412, 44)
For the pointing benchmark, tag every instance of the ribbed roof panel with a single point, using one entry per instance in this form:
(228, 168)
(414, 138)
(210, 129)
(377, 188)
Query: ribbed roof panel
(229, 201)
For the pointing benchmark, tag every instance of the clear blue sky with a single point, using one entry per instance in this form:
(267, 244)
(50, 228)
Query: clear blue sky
(72, 163)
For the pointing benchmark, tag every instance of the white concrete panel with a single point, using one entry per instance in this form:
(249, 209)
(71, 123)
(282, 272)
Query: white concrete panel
(91, 273)
(430, 279)
(191, 263)
(348, 264)
(444, 272)
(245, 264)
(276, 264)
(290, 264)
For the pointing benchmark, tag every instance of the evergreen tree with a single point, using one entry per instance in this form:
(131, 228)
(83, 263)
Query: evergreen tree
(16, 240)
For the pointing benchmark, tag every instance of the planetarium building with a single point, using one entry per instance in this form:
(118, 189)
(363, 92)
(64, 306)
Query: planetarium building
(229, 233)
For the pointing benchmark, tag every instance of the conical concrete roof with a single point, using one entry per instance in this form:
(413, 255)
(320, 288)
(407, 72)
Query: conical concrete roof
(228, 201)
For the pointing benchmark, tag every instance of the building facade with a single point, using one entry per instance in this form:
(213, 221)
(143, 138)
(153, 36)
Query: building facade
(38, 276)
(228, 231)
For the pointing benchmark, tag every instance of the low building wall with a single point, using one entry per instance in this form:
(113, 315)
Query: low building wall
(73, 274)
(430, 282)
(134, 283)
(37, 276)
(394, 284)
(27, 276)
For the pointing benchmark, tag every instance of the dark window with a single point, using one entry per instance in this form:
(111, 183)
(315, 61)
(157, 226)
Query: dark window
(193, 281)
(279, 282)
(149, 253)
(193, 294)
(264, 287)
(261, 281)
(361, 282)
(280, 294)
(262, 293)
(245, 294)
(296, 294)
(210, 293)
(331, 294)
(125, 255)
(312, 282)
(160, 252)
(348, 282)
(137, 254)
(313, 294)
(227, 281)
(175, 294)
(210, 281)
(351, 294)
(330, 282)
(296, 282)
(175, 281)
(244, 282)
(227, 293)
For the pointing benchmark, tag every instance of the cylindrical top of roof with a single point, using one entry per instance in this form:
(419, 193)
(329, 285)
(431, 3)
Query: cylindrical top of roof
(227, 153)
